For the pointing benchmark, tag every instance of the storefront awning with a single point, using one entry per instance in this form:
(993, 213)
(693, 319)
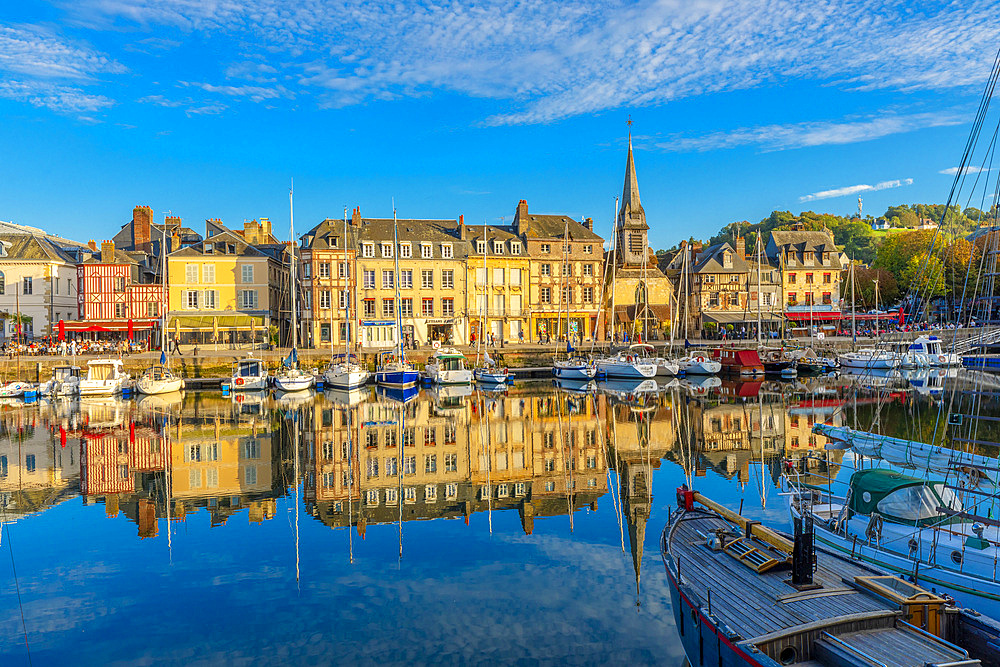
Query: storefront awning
(216, 322)
(90, 326)
(740, 317)
(815, 317)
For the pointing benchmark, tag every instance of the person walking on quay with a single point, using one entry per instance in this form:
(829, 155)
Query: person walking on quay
(174, 347)
(520, 336)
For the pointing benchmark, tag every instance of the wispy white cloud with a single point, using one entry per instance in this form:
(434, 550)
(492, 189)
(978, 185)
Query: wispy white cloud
(254, 93)
(856, 189)
(547, 61)
(45, 70)
(953, 171)
(815, 133)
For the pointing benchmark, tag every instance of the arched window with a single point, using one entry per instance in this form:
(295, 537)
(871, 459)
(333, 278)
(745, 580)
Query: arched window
(3, 283)
(640, 294)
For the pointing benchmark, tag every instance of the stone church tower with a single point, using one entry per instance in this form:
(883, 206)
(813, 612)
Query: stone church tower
(640, 294)
(631, 228)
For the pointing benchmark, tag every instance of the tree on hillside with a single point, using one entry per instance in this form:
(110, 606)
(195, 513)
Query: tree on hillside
(864, 287)
(896, 251)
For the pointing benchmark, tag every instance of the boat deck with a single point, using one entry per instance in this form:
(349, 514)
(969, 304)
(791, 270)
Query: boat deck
(764, 609)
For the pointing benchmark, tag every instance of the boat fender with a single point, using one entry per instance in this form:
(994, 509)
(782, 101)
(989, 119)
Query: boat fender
(685, 498)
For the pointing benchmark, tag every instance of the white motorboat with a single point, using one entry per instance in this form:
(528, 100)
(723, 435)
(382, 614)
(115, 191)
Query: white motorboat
(249, 374)
(575, 368)
(105, 377)
(631, 364)
(15, 389)
(344, 372)
(930, 350)
(699, 364)
(447, 366)
(869, 358)
(158, 380)
(65, 381)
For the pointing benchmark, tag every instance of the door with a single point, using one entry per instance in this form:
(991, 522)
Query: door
(497, 327)
(515, 330)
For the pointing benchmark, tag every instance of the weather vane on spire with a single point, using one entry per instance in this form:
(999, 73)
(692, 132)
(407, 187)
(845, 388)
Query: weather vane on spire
(629, 122)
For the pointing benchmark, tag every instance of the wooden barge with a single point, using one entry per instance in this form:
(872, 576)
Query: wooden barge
(745, 595)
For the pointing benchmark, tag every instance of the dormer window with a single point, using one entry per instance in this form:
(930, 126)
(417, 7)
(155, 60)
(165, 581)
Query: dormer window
(406, 250)
(387, 250)
(727, 259)
(546, 248)
(498, 247)
(368, 250)
(515, 247)
(446, 251)
(481, 247)
(426, 251)
(209, 248)
(336, 242)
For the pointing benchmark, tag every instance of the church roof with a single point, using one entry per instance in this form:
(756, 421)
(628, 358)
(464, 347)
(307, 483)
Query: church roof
(631, 206)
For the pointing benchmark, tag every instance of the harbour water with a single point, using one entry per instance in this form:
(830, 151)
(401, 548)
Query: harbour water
(460, 527)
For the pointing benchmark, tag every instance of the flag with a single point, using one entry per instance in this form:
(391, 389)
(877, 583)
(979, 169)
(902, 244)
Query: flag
(163, 358)
(569, 347)
(687, 343)
(902, 318)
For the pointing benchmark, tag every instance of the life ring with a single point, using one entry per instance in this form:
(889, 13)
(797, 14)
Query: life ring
(942, 358)
(239, 382)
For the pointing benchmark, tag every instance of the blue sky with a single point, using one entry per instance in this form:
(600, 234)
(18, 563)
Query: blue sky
(206, 108)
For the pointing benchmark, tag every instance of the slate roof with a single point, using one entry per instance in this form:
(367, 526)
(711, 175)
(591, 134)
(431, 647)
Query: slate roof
(321, 236)
(804, 241)
(555, 227)
(503, 233)
(436, 232)
(710, 260)
(31, 247)
(242, 247)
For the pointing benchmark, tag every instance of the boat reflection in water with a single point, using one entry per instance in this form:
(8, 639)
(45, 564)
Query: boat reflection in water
(567, 478)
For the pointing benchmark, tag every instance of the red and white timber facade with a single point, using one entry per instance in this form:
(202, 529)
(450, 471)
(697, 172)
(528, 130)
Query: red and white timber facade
(109, 297)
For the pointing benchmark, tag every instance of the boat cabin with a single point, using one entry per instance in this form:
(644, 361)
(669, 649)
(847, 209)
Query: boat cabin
(737, 360)
(900, 498)
(248, 368)
(62, 373)
(450, 360)
(103, 370)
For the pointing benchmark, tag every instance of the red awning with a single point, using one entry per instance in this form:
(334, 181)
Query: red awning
(815, 317)
(110, 325)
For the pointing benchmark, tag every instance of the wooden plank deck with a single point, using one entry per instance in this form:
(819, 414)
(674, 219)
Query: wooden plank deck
(749, 602)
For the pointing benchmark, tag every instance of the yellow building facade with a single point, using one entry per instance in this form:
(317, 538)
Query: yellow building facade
(497, 280)
(225, 290)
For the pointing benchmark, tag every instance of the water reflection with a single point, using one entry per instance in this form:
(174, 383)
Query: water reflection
(553, 480)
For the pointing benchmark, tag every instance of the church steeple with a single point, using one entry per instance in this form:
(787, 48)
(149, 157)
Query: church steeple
(631, 228)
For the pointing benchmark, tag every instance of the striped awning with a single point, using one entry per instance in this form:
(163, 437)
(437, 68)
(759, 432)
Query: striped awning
(215, 323)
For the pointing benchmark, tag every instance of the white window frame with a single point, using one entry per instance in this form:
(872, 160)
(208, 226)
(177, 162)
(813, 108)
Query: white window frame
(426, 251)
(191, 273)
(447, 279)
(406, 279)
(447, 251)
(426, 278)
(386, 250)
(246, 269)
(515, 247)
(368, 250)
(210, 299)
(405, 250)
(368, 278)
(497, 247)
(208, 273)
(191, 297)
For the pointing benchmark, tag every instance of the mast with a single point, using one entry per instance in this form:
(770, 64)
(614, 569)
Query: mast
(854, 312)
(484, 309)
(165, 295)
(399, 321)
(760, 296)
(614, 273)
(562, 290)
(347, 303)
(686, 273)
(291, 272)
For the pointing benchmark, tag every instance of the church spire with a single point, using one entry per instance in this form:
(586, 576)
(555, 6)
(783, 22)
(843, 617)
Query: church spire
(631, 227)
(630, 193)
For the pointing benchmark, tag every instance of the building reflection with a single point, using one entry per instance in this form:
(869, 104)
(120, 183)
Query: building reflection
(536, 453)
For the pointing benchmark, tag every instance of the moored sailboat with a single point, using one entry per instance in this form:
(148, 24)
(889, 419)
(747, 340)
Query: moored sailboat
(291, 377)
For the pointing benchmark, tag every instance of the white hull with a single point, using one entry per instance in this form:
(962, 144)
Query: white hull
(448, 377)
(152, 387)
(102, 388)
(626, 370)
(294, 382)
(490, 377)
(667, 368)
(14, 389)
(249, 383)
(568, 371)
(342, 378)
(882, 361)
(60, 387)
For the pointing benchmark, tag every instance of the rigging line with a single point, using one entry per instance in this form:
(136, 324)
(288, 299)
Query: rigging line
(5, 525)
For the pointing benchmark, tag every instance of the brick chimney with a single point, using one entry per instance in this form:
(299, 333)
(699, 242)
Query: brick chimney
(265, 230)
(461, 227)
(521, 217)
(142, 222)
(107, 252)
(741, 247)
(356, 217)
(92, 244)
(588, 223)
